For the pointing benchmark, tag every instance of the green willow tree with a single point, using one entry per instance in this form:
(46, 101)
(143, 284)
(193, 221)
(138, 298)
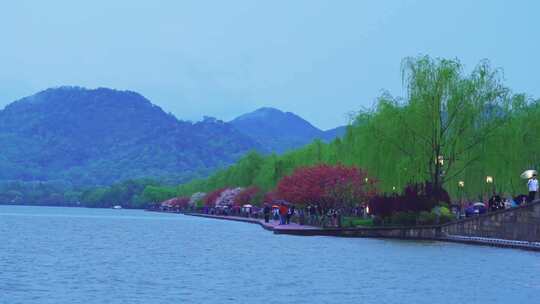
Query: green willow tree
(469, 119)
(444, 119)
(516, 147)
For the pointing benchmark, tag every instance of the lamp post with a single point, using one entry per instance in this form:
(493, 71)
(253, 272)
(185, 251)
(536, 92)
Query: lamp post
(440, 160)
(489, 181)
(439, 170)
(461, 185)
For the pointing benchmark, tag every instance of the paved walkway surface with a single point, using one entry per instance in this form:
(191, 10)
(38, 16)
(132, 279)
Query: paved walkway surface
(271, 225)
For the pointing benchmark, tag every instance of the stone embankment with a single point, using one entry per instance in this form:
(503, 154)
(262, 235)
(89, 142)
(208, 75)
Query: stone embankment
(513, 228)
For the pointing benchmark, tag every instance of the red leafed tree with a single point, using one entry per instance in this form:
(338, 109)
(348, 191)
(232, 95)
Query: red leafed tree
(182, 202)
(210, 198)
(247, 196)
(327, 186)
(270, 197)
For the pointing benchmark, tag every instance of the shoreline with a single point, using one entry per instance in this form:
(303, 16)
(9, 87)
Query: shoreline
(401, 233)
(271, 226)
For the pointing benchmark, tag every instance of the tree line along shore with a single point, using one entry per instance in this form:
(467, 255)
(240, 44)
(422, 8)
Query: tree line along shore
(461, 133)
(456, 136)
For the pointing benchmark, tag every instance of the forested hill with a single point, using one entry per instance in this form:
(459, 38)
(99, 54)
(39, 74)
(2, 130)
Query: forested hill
(96, 137)
(84, 137)
(281, 131)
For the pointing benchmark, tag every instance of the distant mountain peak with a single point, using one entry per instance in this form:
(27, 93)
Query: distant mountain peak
(73, 95)
(61, 90)
(99, 136)
(261, 113)
(269, 110)
(278, 130)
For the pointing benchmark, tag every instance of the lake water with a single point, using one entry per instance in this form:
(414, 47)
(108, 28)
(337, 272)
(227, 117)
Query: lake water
(76, 255)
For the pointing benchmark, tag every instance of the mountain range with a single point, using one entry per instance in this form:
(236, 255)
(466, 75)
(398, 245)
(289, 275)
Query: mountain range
(100, 136)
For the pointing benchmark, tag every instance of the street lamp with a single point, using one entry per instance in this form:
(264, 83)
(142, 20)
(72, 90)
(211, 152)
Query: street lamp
(461, 184)
(439, 164)
(489, 181)
(440, 160)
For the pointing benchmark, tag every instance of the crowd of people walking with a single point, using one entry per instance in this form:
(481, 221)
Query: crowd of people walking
(285, 213)
(312, 215)
(499, 201)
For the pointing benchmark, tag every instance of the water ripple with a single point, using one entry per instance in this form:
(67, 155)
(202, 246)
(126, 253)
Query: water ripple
(72, 255)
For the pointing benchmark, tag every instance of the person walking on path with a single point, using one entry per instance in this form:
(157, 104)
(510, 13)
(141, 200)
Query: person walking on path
(308, 213)
(533, 188)
(301, 216)
(312, 213)
(290, 213)
(282, 213)
(266, 212)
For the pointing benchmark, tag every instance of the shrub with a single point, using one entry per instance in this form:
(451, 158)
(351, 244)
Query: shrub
(383, 206)
(199, 203)
(427, 218)
(403, 219)
(445, 215)
(415, 198)
(357, 221)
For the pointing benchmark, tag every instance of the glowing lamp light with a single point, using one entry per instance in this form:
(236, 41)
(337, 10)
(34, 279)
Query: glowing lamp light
(366, 179)
(394, 188)
(367, 209)
(461, 184)
(439, 160)
(489, 179)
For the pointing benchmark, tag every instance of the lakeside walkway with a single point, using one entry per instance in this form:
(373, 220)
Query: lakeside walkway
(272, 225)
(414, 233)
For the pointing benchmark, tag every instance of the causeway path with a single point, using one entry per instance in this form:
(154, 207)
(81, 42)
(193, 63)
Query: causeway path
(415, 233)
(272, 225)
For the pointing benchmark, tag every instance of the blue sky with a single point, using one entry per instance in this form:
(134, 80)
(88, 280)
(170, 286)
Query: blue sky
(319, 59)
